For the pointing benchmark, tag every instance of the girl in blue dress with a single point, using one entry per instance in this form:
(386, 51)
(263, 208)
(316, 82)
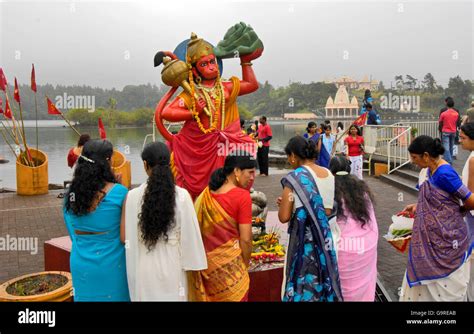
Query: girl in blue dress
(92, 213)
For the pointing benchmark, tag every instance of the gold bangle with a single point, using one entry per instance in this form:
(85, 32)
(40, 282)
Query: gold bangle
(249, 64)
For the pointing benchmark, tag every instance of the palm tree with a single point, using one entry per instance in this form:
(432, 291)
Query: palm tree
(399, 81)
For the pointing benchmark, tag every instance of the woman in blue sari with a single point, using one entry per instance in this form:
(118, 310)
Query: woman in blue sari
(311, 272)
(312, 132)
(92, 213)
(437, 269)
(325, 146)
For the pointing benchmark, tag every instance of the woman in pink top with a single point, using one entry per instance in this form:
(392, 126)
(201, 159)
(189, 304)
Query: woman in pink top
(357, 245)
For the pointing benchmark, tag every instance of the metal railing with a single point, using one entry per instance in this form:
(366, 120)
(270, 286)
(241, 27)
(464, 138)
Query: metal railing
(398, 150)
(428, 128)
(392, 141)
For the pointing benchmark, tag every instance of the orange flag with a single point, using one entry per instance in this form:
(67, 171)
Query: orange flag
(33, 78)
(102, 133)
(16, 92)
(3, 80)
(52, 110)
(361, 120)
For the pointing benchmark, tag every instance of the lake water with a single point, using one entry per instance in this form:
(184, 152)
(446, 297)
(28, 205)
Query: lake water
(56, 141)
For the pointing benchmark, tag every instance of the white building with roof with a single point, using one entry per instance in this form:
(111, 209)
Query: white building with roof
(341, 106)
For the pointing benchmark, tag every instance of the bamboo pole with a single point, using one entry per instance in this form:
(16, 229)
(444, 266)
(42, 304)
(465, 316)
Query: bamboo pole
(7, 93)
(10, 133)
(69, 123)
(28, 154)
(36, 117)
(6, 141)
(66, 120)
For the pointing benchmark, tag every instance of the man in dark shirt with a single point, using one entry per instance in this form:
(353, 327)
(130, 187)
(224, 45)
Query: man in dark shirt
(372, 116)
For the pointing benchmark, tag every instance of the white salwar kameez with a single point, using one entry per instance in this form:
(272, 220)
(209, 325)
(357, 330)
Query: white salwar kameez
(160, 274)
(448, 289)
(465, 180)
(357, 165)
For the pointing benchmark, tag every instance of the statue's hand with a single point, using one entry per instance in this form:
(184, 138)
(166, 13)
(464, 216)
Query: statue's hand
(251, 56)
(200, 105)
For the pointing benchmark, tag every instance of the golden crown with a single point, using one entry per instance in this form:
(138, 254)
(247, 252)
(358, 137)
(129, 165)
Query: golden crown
(198, 48)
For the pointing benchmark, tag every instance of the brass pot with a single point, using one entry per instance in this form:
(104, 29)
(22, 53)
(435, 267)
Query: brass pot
(174, 72)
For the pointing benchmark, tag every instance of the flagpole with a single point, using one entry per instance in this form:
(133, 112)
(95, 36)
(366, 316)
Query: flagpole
(28, 154)
(33, 85)
(15, 121)
(10, 133)
(6, 141)
(36, 116)
(63, 117)
(345, 132)
(69, 123)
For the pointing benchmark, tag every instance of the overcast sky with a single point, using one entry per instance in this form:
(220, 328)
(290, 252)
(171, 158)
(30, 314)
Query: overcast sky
(112, 43)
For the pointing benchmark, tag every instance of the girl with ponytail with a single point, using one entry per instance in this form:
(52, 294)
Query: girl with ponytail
(437, 268)
(224, 211)
(311, 272)
(161, 233)
(92, 209)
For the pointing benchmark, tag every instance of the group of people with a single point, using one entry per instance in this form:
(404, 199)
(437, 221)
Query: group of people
(261, 133)
(329, 144)
(154, 243)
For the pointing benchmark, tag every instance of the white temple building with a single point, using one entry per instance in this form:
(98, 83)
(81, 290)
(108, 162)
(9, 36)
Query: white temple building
(341, 106)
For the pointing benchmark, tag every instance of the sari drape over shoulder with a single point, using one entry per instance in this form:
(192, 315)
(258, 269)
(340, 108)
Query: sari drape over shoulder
(226, 278)
(440, 238)
(311, 271)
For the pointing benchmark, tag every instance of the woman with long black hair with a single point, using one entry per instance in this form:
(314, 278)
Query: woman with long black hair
(92, 210)
(224, 211)
(160, 229)
(357, 244)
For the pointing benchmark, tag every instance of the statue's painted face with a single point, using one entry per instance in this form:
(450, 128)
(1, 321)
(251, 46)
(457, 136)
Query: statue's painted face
(207, 67)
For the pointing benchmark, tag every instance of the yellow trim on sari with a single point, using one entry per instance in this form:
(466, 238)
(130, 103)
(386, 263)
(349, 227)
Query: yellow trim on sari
(226, 278)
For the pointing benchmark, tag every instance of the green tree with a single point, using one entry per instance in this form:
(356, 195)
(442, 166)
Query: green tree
(429, 83)
(461, 91)
(399, 82)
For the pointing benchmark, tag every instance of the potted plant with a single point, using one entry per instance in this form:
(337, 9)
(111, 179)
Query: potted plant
(46, 286)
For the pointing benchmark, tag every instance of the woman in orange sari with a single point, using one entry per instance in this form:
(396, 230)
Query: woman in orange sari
(224, 211)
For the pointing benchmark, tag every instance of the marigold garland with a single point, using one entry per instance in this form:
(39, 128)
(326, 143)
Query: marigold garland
(219, 102)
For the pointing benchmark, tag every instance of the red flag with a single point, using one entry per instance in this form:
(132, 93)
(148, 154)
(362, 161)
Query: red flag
(102, 133)
(1, 106)
(52, 110)
(8, 111)
(3, 80)
(361, 120)
(33, 78)
(16, 92)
